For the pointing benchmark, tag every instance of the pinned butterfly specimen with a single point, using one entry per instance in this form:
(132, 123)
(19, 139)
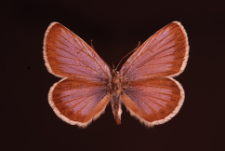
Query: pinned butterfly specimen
(144, 84)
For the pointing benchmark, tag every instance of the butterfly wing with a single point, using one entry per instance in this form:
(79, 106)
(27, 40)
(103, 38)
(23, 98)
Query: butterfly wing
(78, 102)
(163, 54)
(67, 55)
(153, 101)
(81, 95)
(150, 93)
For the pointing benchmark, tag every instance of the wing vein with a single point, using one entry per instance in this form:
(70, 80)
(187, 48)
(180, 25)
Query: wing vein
(76, 48)
(77, 59)
(92, 58)
(149, 50)
(151, 58)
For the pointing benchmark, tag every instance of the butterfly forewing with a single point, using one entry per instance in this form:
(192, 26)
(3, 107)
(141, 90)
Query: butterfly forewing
(67, 55)
(82, 94)
(150, 93)
(163, 54)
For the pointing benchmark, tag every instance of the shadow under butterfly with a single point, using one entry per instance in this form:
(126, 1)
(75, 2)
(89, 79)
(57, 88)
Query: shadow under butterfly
(144, 84)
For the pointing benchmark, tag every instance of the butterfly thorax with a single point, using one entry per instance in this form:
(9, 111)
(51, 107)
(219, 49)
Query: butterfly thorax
(116, 96)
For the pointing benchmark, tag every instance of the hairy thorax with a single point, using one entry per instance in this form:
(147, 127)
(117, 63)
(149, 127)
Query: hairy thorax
(116, 90)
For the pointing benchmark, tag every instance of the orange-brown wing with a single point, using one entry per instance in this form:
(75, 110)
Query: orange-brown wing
(154, 101)
(150, 93)
(67, 55)
(164, 54)
(78, 103)
(81, 96)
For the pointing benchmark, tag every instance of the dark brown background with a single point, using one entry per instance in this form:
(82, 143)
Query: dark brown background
(28, 123)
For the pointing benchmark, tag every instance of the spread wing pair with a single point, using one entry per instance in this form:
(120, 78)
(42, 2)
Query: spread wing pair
(148, 90)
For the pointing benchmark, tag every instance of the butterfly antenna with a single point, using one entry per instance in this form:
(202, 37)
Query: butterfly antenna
(113, 66)
(95, 50)
(129, 54)
(92, 45)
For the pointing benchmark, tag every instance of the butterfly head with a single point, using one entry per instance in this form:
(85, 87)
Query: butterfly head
(115, 76)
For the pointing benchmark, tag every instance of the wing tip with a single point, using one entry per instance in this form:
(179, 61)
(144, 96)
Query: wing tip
(187, 49)
(45, 50)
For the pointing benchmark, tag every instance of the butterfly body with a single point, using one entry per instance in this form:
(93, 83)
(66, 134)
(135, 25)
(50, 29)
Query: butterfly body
(144, 84)
(116, 98)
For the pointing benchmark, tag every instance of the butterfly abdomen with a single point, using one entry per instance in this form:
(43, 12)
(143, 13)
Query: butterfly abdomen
(116, 96)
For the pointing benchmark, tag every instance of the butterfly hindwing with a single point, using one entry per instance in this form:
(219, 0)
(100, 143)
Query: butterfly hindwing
(153, 101)
(78, 102)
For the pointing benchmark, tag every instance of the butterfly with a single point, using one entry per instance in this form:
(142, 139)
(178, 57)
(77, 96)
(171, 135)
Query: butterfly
(144, 84)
